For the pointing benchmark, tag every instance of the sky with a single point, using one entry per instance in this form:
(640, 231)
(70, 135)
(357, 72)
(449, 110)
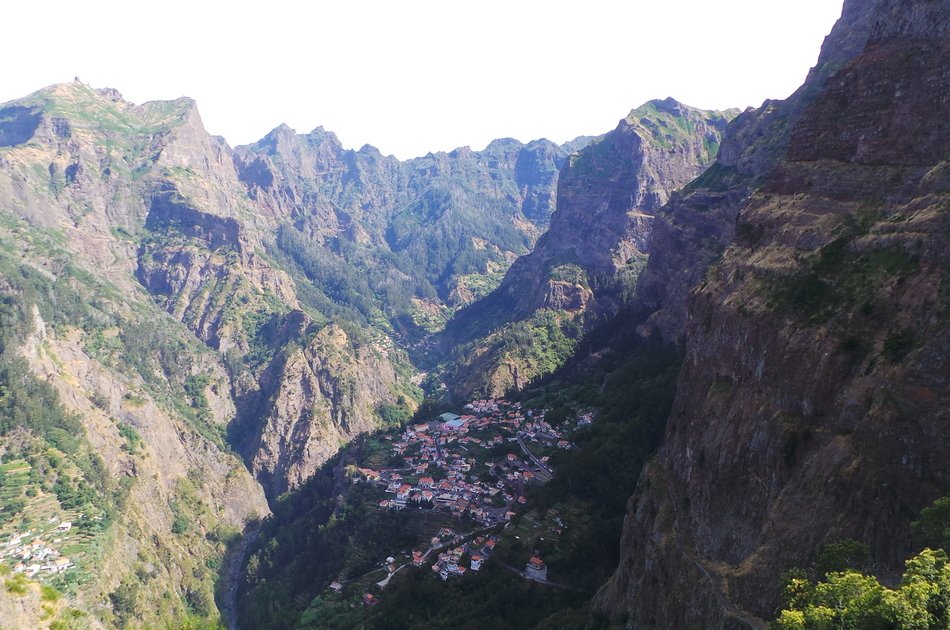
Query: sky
(413, 76)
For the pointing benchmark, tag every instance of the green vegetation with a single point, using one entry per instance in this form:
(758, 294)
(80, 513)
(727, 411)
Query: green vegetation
(847, 554)
(850, 599)
(846, 597)
(49, 473)
(310, 540)
(44, 450)
(538, 346)
(494, 598)
(839, 278)
(932, 528)
(596, 479)
(16, 585)
(574, 521)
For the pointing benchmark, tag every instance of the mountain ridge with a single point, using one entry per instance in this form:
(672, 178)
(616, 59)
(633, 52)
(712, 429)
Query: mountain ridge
(805, 352)
(583, 268)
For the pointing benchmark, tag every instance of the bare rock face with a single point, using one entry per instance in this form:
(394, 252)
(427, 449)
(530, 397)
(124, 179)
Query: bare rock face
(587, 262)
(315, 399)
(430, 217)
(814, 386)
(103, 198)
(609, 192)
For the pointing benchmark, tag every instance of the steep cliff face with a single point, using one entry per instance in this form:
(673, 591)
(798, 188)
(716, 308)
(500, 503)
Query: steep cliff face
(117, 413)
(237, 244)
(439, 227)
(98, 199)
(814, 386)
(315, 399)
(585, 265)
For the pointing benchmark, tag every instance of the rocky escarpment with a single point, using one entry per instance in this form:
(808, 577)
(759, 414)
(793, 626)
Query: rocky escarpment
(693, 230)
(437, 226)
(586, 264)
(118, 412)
(99, 199)
(313, 399)
(814, 384)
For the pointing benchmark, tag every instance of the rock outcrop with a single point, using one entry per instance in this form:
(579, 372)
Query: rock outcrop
(814, 386)
(426, 223)
(586, 264)
(313, 400)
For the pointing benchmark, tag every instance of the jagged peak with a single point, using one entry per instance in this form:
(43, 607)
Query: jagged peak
(502, 144)
(672, 107)
(460, 151)
(57, 110)
(369, 149)
(320, 135)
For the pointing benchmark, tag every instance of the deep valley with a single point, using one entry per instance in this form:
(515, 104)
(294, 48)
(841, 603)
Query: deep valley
(690, 373)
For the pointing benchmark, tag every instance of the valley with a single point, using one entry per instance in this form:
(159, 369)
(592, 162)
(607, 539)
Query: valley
(689, 373)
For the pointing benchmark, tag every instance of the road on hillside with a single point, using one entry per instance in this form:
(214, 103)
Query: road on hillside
(537, 462)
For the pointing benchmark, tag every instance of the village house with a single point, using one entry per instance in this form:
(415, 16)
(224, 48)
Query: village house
(536, 569)
(369, 599)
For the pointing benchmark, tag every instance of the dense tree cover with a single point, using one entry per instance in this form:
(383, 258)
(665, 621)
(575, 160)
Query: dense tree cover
(299, 552)
(423, 257)
(313, 537)
(45, 445)
(850, 599)
(847, 597)
(538, 345)
(31, 409)
(632, 405)
(494, 598)
(932, 528)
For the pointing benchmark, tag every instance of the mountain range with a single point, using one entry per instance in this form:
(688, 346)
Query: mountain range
(751, 306)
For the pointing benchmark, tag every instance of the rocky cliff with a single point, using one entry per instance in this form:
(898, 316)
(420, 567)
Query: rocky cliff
(426, 234)
(585, 266)
(317, 398)
(286, 270)
(814, 384)
(129, 446)
(98, 199)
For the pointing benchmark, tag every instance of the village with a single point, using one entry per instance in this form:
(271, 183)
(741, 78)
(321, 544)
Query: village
(33, 557)
(476, 466)
(44, 541)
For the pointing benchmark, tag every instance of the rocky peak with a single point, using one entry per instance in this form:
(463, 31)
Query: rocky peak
(599, 235)
(826, 212)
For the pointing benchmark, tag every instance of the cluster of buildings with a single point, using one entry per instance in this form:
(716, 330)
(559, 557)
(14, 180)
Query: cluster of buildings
(36, 556)
(450, 562)
(439, 470)
(442, 466)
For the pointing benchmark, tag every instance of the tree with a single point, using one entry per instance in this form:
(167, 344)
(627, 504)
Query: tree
(850, 599)
(932, 529)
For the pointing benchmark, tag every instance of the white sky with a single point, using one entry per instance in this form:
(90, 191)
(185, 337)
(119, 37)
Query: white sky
(412, 76)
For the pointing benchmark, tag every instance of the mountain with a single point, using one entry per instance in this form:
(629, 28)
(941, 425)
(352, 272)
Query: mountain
(183, 341)
(585, 266)
(114, 458)
(807, 270)
(406, 241)
(735, 334)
